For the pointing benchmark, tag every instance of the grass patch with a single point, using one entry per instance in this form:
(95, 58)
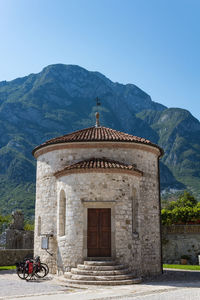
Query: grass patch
(7, 268)
(183, 267)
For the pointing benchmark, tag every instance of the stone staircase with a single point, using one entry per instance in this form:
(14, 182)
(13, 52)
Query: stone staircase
(101, 273)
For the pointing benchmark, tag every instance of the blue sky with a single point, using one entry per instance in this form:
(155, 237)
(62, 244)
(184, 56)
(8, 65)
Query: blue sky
(154, 44)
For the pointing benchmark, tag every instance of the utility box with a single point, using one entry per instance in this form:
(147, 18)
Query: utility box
(45, 242)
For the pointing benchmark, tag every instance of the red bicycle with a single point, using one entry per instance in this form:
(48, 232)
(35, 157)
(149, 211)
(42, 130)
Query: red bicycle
(31, 268)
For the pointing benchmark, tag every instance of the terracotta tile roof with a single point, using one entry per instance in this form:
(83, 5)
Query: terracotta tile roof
(103, 164)
(97, 134)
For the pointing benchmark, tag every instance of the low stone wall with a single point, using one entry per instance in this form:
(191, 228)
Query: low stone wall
(8, 257)
(178, 240)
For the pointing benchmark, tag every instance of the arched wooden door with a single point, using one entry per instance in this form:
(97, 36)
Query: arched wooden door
(99, 232)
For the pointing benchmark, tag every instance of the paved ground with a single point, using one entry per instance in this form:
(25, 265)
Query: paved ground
(172, 285)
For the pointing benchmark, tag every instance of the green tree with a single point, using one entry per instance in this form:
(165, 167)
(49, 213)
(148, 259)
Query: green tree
(29, 226)
(186, 209)
(4, 222)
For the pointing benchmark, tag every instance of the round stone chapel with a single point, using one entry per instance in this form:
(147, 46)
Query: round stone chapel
(98, 206)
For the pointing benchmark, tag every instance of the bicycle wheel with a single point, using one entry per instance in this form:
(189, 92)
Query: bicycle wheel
(41, 273)
(22, 274)
(46, 267)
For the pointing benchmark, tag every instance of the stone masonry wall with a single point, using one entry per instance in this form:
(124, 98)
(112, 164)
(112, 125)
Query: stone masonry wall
(136, 207)
(9, 257)
(19, 239)
(178, 240)
(86, 189)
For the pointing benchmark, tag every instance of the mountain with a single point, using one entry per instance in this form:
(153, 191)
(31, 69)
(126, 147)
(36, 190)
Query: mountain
(61, 99)
(179, 136)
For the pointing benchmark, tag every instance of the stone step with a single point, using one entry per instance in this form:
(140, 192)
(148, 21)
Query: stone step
(99, 263)
(109, 282)
(100, 268)
(99, 272)
(69, 275)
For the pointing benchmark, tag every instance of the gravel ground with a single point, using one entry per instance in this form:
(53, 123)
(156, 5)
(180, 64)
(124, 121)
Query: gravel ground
(172, 282)
(12, 286)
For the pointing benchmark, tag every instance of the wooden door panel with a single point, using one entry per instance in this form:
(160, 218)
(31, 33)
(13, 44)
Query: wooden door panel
(92, 228)
(93, 218)
(104, 240)
(105, 224)
(93, 242)
(104, 252)
(105, 218)
(99, 232)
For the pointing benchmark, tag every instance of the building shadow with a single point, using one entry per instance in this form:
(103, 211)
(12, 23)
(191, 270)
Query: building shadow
(3, 272)
(176, 278)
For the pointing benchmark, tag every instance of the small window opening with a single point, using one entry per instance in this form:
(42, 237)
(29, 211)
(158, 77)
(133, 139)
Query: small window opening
(62, 213)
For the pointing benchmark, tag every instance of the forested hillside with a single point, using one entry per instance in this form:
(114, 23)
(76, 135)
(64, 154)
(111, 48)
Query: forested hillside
(61, 99)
